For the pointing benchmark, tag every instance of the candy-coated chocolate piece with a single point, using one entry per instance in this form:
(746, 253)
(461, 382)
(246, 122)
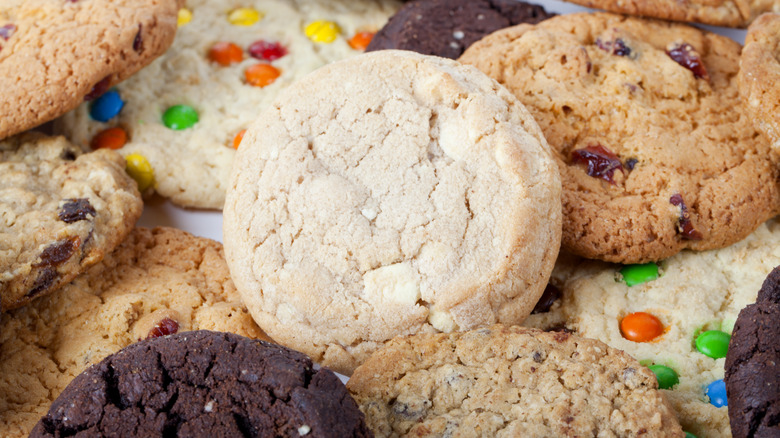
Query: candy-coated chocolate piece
(261, 75)
(638, 274)
(361, 40)
(666, 376)
(689, 435)
(245, 16)
(225, 53)
(266, 51)
(237, 139)
(322, 31)
(641, 327)
(106, 107)
(713, 343)
(180, 117)
(716, 391)
(140, 170)
(185, 16)
(111, 138)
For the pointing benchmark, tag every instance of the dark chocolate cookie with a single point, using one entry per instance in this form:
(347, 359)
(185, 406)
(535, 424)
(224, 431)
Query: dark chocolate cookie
(448, 27)
(204, 384)
(753, 365)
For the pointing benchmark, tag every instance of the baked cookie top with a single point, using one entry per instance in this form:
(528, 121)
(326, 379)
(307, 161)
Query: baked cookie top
(204, 384)
(62, 211)
(759, 75)
(655, 150)
(398, 192)
(447, 27)
(730, 13)
(156, 283)
(509, 381)
(753, 365)
(679, 299)
(54, 54)
(184, 113)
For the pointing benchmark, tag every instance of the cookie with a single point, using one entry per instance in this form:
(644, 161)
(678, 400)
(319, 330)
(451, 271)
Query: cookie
(62, 211)
(655, 150)
(56, 54)
(157, 282)
(730, 13)
(204, 384)
(399, 192)
(446, 28)
(760, 73)
(508, 381)
(753, 365)
(183, 114)
(685, 296)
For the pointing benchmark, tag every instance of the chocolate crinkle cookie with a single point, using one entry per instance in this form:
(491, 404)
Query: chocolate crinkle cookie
(204, 384)
(753, 365)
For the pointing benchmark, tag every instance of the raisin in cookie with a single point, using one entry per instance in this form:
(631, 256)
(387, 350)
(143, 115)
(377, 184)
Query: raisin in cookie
(509, 381)
(656, 152)
(156, 283)
(62, 211)
(55, 53)
(759, 75)
(184, 113)
(203, 384)
(389, 194)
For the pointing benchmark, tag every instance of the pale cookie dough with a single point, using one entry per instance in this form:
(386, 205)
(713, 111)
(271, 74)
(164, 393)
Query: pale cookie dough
(192, 166)
(731, 13)
(759, 75)
(53, 53)
(157, 282)
(655, 149)
(61, 211)
(392, 193)
(696, 291)
(509, 382)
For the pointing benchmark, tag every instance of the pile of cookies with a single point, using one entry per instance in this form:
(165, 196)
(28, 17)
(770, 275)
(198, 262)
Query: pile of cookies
(497, 221)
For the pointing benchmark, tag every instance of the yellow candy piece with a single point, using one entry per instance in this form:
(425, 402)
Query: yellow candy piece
(245, 16)
(185, 16)
(140, 170)
(322, 31)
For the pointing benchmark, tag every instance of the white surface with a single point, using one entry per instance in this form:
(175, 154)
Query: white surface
(158, 212)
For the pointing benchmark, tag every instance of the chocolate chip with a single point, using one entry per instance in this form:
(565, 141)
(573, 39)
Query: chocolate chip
(549, 297)
(537, 357)
(138, 42)
(684, 224)
(75, 210)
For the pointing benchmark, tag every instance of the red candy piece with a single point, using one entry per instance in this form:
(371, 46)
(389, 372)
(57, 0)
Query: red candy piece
(684, 225)
(111, 138)
(261, 75)
(361, 40)
(641, 327)
(163, 328)
(685, 55)
(602, 163)
(237, 139)
(225, 54)
(267, 51)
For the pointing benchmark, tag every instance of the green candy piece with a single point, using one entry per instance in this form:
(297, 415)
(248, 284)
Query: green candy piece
(638, 274)
(713, 343)
(666, 376)
(180, 117)
(689, 435)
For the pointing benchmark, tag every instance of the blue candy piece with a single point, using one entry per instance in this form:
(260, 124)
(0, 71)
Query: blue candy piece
(716, 391)
(106, 107)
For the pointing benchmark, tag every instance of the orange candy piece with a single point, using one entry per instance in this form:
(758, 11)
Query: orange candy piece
(111, 138)
(261, 75)
(361, 40)
(237, 139)
(641, 327)
(225, 54)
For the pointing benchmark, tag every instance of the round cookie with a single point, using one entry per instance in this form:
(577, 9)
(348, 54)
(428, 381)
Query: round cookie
(730, 13)
(203, 384)
(696, 292)
(759, 75)
(753, 365)
(191, 163)
(61, 211)
(656, 154)
(508, 381)
(446, 28)
(54, 54)
(399, 192)
(157, 282)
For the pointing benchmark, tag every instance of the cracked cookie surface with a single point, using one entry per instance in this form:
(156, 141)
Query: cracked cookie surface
(53, 53)
(61, 211)
(509, 381)
(203, 384)
(156, 282)
(760, 73)
(655, 150)
(390, 194)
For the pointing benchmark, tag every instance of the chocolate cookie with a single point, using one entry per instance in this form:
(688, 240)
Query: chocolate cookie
(204, 384)
(448, 27)
(753, 365)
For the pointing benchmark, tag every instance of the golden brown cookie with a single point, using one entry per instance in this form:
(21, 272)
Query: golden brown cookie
(759, 75)
(655, 150)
